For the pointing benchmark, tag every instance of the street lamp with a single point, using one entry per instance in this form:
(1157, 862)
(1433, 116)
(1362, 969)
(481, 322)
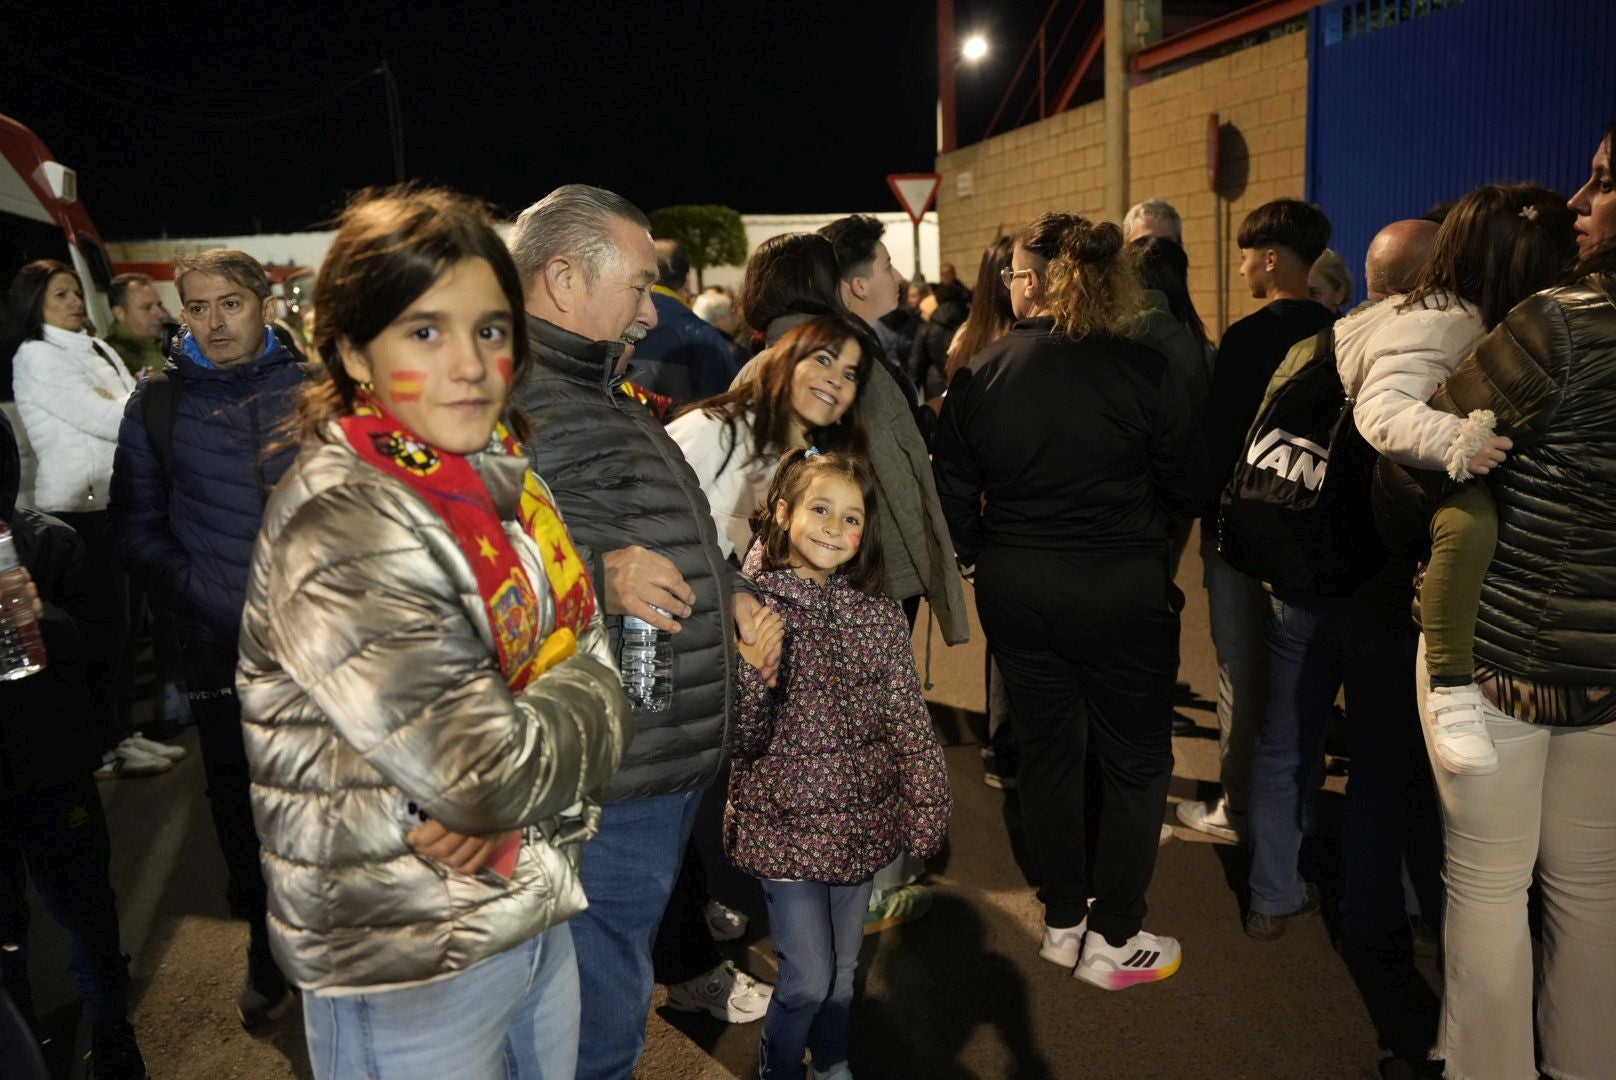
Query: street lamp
(975, 48)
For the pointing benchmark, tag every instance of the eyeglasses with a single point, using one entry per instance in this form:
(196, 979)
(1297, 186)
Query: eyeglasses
(1008, 275)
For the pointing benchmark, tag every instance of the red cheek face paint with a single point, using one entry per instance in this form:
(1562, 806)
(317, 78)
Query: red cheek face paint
(506, 367)
(407, 386)
(856, 540)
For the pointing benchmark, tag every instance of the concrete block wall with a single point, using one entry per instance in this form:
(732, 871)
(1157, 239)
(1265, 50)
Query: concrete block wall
(1058, 163)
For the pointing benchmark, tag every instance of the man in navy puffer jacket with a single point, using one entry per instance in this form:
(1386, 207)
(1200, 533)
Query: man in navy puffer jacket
(188, 491)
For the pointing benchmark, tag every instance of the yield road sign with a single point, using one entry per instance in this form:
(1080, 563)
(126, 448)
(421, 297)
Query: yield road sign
(915, 191)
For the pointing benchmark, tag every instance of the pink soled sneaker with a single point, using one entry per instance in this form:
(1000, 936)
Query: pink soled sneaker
(1144, 958)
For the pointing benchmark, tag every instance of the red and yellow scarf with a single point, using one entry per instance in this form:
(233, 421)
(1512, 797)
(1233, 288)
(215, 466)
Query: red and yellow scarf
(456, 492)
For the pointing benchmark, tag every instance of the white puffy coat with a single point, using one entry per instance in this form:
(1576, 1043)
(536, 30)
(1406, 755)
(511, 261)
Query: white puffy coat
(1392, 360)
(71, 390)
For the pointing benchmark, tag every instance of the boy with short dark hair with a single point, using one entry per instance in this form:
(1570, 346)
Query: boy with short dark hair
(1279, 242)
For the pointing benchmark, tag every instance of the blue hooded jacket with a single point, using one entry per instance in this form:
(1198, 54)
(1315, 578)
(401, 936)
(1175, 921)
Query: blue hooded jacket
(190, 537)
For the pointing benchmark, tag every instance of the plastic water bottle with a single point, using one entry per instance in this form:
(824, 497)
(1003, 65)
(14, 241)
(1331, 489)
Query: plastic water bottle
(645, 658)
(22, 650)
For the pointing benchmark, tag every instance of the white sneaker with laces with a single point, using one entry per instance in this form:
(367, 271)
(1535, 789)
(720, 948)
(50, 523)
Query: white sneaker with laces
(1144, 958)
(1458, 724)
(126, 761)
(1212, 816)
(723, 923)
(731, 995)
(1063, 946)
(154, 748)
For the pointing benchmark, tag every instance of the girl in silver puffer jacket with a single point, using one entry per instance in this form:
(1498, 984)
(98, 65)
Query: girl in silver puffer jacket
(427, 696)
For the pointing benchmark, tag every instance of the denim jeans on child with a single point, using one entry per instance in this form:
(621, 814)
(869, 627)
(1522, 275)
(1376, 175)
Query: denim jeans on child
(512, 1017)
(629, 869)
(818, 930)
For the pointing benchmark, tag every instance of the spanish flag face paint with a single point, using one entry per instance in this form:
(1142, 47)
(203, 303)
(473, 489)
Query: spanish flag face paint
(406, 386)
(444, 366)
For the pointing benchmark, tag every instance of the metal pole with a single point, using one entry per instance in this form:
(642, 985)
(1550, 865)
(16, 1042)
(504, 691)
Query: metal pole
(917, 252)
(1116, 111)
(945, 73)
(395, 121)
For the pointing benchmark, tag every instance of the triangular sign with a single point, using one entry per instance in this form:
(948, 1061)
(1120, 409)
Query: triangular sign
(915, 191)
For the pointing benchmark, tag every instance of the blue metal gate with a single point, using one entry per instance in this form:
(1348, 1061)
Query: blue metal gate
(1415, 102)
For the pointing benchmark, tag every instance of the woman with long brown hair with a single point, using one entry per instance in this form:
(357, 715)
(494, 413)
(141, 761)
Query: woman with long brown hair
(804, 393)
(427, 692)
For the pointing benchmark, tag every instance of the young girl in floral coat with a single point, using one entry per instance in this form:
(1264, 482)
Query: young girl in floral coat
(835, 770)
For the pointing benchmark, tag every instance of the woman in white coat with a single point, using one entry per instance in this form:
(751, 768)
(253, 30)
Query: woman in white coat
(70, 391)
(803, 392)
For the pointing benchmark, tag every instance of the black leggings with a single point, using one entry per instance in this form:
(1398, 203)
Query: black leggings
(1088, 647)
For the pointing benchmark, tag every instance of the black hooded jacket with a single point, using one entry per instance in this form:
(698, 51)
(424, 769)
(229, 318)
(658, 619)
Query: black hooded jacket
(44, 733)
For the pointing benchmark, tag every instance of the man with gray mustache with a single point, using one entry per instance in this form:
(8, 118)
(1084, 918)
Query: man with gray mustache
(635, 509)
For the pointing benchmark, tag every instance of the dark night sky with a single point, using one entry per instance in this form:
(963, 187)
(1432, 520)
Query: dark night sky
(188, 121)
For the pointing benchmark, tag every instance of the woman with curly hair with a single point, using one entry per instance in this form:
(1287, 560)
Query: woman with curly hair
(1061, 461)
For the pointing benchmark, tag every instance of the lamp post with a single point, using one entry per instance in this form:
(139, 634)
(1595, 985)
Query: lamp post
(949, 52)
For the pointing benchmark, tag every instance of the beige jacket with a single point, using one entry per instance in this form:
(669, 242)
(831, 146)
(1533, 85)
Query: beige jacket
(368, 682)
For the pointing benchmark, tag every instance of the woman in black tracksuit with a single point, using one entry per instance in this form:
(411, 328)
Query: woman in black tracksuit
(1063, 455)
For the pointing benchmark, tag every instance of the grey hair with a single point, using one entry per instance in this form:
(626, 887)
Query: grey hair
(228, 263)
(1160, 209)
(712, 307)
(573, 220)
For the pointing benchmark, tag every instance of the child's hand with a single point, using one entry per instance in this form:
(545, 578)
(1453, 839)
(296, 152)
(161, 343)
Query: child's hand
(1490, 456)
(768, 633)
(462, 854)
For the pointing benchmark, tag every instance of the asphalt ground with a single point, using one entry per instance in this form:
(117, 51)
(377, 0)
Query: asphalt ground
(960, 993)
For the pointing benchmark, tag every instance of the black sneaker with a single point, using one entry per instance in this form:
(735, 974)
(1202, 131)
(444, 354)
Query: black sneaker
(266, 996)
(114, 1055)
(1270, 927)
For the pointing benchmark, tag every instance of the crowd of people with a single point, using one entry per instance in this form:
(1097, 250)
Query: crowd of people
(397, 575)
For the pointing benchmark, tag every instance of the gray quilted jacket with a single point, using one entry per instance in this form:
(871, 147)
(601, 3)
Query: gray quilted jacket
(622, 481)
(368, 681)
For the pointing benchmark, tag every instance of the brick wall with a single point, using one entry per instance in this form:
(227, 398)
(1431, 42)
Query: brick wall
(1260, 92)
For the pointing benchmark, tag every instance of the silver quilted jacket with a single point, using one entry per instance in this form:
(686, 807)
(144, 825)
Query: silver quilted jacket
(368, 681)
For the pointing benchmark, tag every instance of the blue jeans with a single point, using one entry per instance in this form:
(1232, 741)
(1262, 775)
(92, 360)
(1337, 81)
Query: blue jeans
(1237, 606)
(818, 930)
(512, 1017)
(629, 870)
(1313, 651)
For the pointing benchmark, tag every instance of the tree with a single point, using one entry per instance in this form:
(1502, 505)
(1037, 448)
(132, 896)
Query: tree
(711, 235)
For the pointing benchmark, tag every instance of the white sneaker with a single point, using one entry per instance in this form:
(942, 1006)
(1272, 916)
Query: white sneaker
(126, 761)
(724, 923)
(1166, 835)
(1063, 946)
(732, 996)
(1458, 724)
(1212, 816)
(1144, 958)
(154, 748)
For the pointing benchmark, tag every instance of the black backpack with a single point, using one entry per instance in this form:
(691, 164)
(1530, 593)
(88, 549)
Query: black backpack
(1296, 513)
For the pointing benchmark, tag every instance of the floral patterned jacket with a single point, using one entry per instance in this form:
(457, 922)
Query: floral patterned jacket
(835, 770)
